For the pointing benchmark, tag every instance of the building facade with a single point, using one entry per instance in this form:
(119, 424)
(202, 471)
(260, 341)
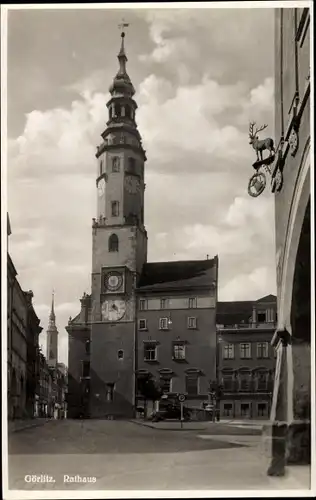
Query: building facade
(291, 185)
(176, 327)
(22, 341)
(245, 357)
(44, 403)
(107, 345)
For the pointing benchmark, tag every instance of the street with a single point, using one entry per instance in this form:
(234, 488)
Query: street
(122, 455)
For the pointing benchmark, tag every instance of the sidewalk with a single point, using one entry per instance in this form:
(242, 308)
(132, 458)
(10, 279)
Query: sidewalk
(21, 425)
(239, 469)
(214, 427)
(173, 425)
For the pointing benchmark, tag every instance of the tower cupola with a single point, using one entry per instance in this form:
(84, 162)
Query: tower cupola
(122, 85)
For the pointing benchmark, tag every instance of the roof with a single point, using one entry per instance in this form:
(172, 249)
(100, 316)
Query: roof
(268, 298)
(237, 312)
(234, 313)
(178, 275)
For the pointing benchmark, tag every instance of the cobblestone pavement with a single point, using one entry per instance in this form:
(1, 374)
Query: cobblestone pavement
(124, 456)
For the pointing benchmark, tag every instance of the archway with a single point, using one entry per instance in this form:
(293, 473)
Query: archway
(298, 449)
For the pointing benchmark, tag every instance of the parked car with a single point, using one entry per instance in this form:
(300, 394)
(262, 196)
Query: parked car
(170, 412)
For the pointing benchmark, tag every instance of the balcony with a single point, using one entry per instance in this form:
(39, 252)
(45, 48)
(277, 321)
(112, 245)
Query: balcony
(271, 325)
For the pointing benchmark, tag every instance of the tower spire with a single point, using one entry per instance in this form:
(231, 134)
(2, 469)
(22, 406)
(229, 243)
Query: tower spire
(52, 316)
(122, 83)
(52, 335)
(121, 55)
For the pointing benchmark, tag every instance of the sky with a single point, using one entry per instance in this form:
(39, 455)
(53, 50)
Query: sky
(201, 75)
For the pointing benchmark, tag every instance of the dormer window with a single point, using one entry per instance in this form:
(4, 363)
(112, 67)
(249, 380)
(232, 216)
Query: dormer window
(261, 317)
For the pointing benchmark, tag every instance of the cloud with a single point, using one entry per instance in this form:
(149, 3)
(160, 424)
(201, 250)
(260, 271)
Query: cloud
(197, 39)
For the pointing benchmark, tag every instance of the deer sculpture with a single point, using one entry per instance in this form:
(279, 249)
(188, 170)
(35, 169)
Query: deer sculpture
(260, 145)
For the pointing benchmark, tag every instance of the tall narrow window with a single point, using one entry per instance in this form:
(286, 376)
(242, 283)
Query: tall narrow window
(117, 110)
(142, 324)
(228, 410)
(85, 369)
(192, 322)
(115, 208)
(165, 383)
(245, 409)
(262, 381)
(87, 345)
(245, 350)
(110, 392)
(150, 352)
(178, 351)
(192, 384)
(228, 351)
(244, 381)
(113, 243)
(261, 317)
(131, 165)
(163, 323)
(192, 302)
(101, 167)
(228, 381)
(163, 304)
(116, 164)
(142, 304)
(262, 350)
(262, 410)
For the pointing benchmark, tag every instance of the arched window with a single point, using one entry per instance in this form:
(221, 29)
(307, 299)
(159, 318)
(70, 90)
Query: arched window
(113, 243)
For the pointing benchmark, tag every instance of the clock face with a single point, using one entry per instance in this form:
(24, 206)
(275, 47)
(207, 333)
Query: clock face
(132, 184)
(101, 187)
(113, 281)
(113, 310)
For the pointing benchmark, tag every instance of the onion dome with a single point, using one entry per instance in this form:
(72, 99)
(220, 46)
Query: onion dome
(122, 83)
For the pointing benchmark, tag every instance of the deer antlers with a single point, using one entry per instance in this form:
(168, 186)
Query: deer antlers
(251, 127)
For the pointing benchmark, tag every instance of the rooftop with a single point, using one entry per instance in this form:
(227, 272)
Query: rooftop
(178, 275)
(239, 312)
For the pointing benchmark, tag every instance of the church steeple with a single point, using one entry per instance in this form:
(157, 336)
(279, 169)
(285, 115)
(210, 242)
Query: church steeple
(52, 317)
(52, 335)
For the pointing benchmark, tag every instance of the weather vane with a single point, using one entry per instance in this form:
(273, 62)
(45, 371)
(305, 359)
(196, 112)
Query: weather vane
(123, 25)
